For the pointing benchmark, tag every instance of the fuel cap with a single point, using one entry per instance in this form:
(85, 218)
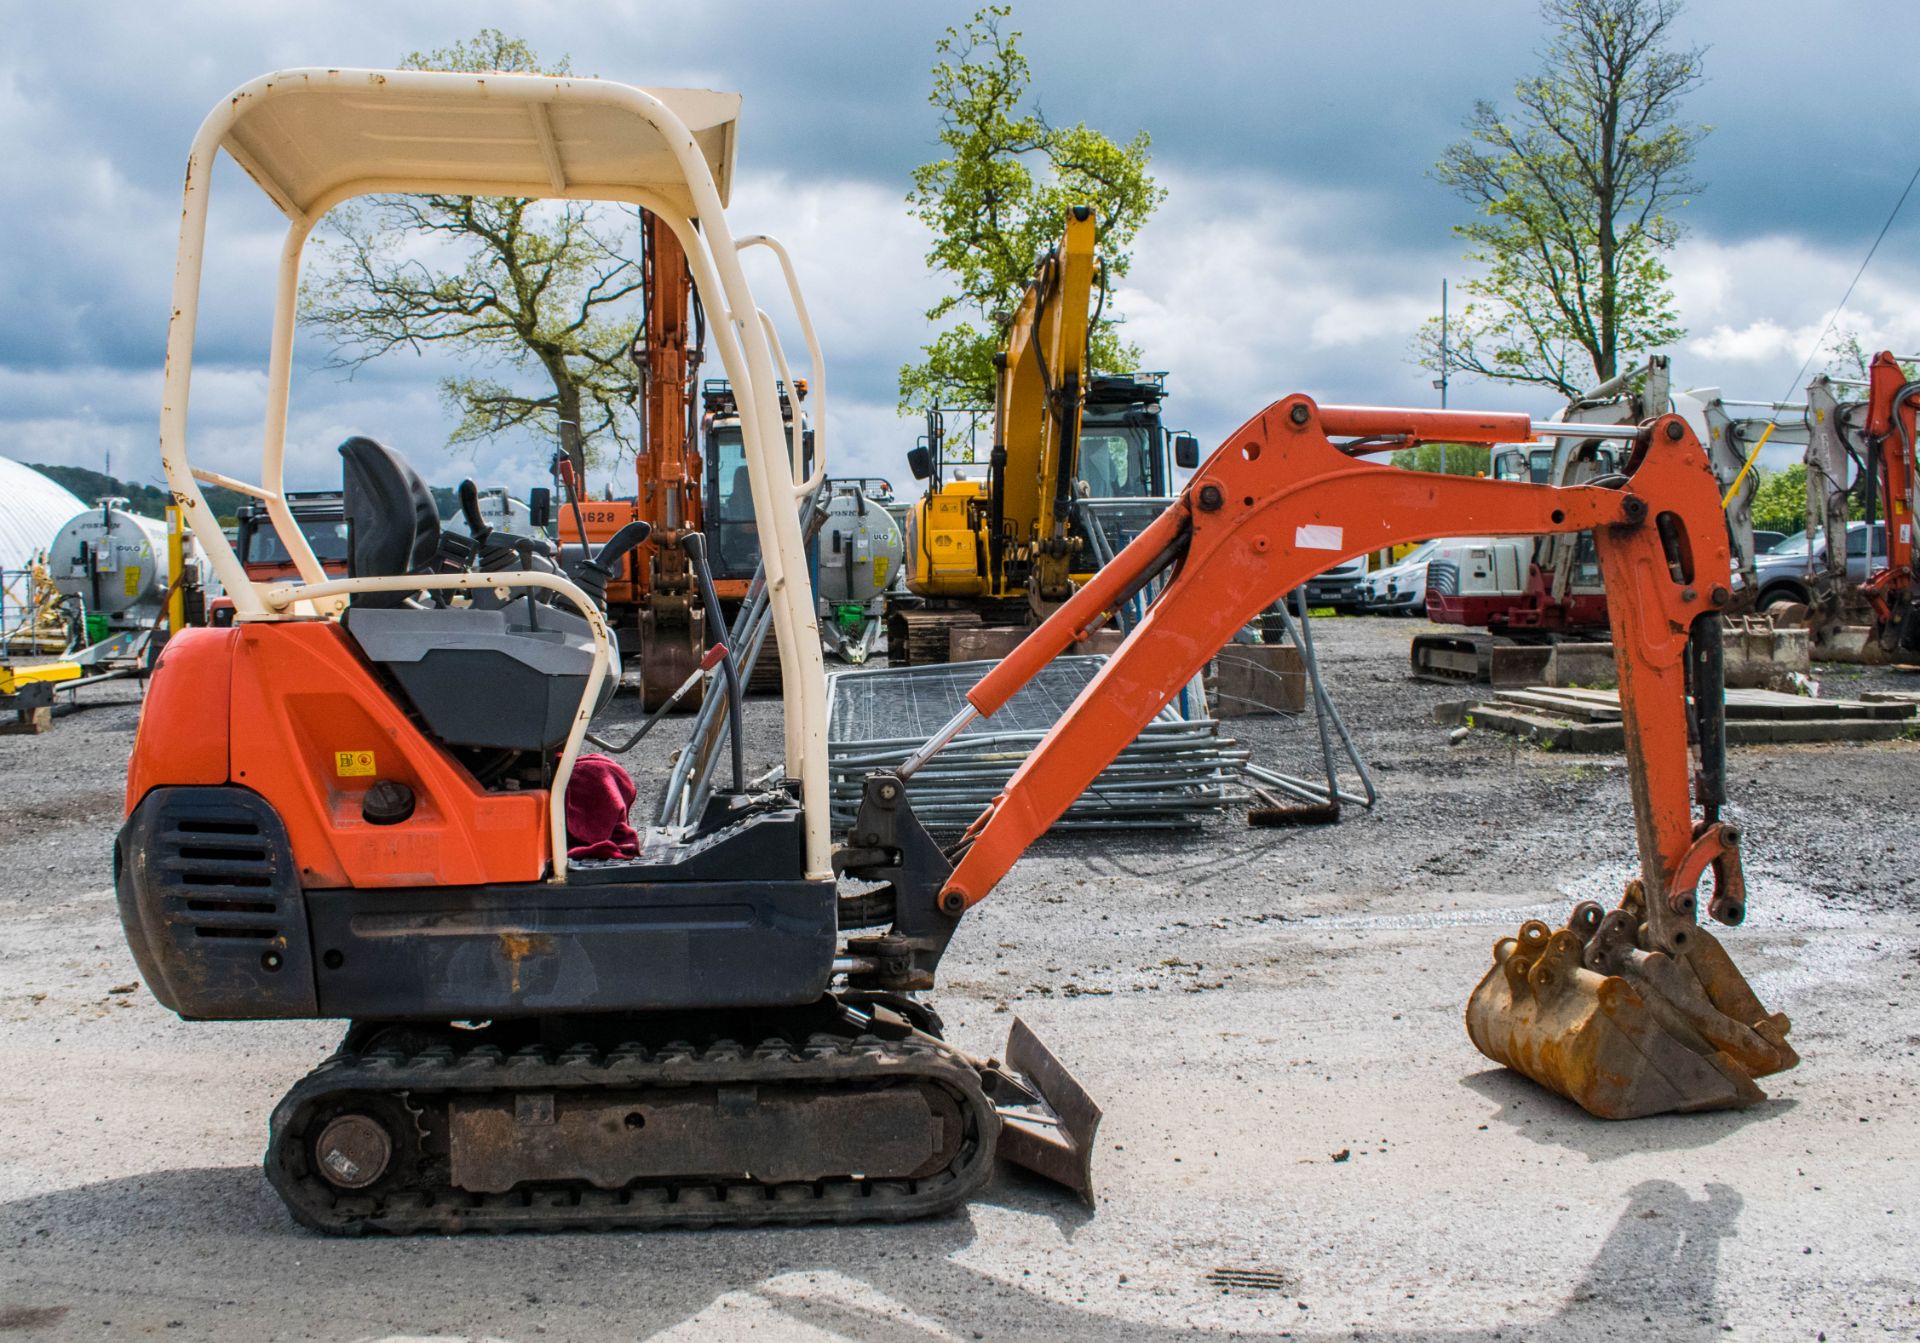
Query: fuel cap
(386, 803)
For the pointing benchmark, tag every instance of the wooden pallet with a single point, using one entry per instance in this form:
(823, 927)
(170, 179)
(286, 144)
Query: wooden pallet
(917, 638)
(1566, 719)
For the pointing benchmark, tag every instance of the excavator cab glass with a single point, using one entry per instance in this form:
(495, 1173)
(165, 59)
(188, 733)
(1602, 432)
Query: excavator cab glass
(730, 523)
(1117, 461)
(328, 539)
(1532, 465)
(316, 513)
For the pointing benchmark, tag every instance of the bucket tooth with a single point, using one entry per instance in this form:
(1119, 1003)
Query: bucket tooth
(1047, 1119)
(1620, 1031)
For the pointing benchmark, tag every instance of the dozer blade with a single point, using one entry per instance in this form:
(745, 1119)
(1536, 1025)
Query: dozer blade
(1620, 1031)
(1047, 1120)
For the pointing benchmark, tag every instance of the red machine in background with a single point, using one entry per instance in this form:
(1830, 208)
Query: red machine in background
(1536, 591)
(1892, 476)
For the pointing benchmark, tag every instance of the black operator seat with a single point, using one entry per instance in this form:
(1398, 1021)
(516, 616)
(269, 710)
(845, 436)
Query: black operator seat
(393, 526)
(490, 676)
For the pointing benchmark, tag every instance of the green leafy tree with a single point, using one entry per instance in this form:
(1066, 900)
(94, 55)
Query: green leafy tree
(1452, 459)
(1575, 193)
(995, 203)
(540, 287)
(1780, 502)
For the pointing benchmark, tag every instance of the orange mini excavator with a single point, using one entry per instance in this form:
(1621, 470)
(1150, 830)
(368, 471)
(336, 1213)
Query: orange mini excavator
(352, 803)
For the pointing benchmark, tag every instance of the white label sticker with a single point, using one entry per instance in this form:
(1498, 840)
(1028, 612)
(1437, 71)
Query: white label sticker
(1317, 538)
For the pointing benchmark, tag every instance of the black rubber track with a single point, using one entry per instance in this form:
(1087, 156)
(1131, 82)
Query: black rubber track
(415, 1195)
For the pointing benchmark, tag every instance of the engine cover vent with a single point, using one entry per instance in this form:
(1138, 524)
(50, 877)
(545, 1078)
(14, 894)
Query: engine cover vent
(210, 898)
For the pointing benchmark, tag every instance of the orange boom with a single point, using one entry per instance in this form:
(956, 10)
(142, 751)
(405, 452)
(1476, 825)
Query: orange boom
(1281, 501)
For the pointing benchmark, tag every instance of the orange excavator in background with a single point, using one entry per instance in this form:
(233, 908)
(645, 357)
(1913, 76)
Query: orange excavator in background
(653, 604)
(358, 801)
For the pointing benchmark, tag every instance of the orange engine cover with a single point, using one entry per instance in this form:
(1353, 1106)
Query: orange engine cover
(183, 724)
(292, 712)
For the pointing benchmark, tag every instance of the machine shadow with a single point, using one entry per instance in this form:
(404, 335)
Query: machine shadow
(1544, 1117)
(223, 1229)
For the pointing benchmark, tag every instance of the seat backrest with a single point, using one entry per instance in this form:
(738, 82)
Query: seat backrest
(393, 526)
(739, 505)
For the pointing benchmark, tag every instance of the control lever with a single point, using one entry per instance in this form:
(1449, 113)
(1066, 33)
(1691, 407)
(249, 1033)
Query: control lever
(470, 510)
(594, 573)
(696, 547)
(570, 482)
(708, 662)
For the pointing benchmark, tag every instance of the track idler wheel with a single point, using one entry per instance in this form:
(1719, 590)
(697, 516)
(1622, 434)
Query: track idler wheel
(1621, 1031)
(353, 1151)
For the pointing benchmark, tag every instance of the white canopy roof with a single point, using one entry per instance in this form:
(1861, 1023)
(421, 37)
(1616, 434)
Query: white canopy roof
(32, 508)
(306, 135)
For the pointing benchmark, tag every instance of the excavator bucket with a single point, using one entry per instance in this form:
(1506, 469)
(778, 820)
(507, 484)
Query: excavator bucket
(1047, 1119)
(1623, 1032)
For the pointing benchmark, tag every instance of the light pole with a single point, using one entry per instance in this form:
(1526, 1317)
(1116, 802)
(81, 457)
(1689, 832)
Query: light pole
(1441, 381)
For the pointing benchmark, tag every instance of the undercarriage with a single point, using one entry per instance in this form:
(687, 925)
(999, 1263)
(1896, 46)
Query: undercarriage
(839, 1112)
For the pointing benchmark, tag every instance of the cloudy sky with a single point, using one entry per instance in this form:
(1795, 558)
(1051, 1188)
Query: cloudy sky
(1301, 245)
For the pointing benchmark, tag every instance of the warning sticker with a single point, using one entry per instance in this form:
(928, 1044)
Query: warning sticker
(879, 571)
(350, 764)
(1317, 538)
(131, 582)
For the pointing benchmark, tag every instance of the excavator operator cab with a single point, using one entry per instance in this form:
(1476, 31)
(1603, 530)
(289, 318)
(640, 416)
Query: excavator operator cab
(729, 507)
(1122, 451)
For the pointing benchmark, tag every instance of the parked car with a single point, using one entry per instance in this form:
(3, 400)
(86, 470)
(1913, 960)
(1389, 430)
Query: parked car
(1342, 587)
(1401, 587)
(1782, 571)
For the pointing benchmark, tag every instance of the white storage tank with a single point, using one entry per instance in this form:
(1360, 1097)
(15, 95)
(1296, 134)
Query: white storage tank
(860, 549)
(113, 560)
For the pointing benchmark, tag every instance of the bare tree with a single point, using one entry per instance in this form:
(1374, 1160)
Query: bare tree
(536, 286)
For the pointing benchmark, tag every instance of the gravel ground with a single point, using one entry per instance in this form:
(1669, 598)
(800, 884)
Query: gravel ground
(1270, 1018)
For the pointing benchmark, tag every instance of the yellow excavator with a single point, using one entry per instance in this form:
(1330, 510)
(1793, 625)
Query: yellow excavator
(1004, 546)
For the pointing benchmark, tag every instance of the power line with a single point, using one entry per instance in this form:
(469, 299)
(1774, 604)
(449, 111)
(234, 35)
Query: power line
(1878, 238)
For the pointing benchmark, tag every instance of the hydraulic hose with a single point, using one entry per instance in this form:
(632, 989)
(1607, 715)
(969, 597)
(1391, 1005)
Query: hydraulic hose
(1706, 675)
(696, 547)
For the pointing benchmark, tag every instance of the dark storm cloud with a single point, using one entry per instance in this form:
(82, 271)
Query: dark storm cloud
(1302, 246)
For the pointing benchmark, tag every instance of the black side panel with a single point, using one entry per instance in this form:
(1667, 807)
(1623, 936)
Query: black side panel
(767, 846)
(210, 900)
(504, 951)
(486, 677)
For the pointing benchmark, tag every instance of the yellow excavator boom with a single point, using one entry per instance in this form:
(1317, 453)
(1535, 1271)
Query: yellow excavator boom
(1007, 536)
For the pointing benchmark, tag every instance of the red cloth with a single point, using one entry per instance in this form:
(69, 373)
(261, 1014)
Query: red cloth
(599, 795)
